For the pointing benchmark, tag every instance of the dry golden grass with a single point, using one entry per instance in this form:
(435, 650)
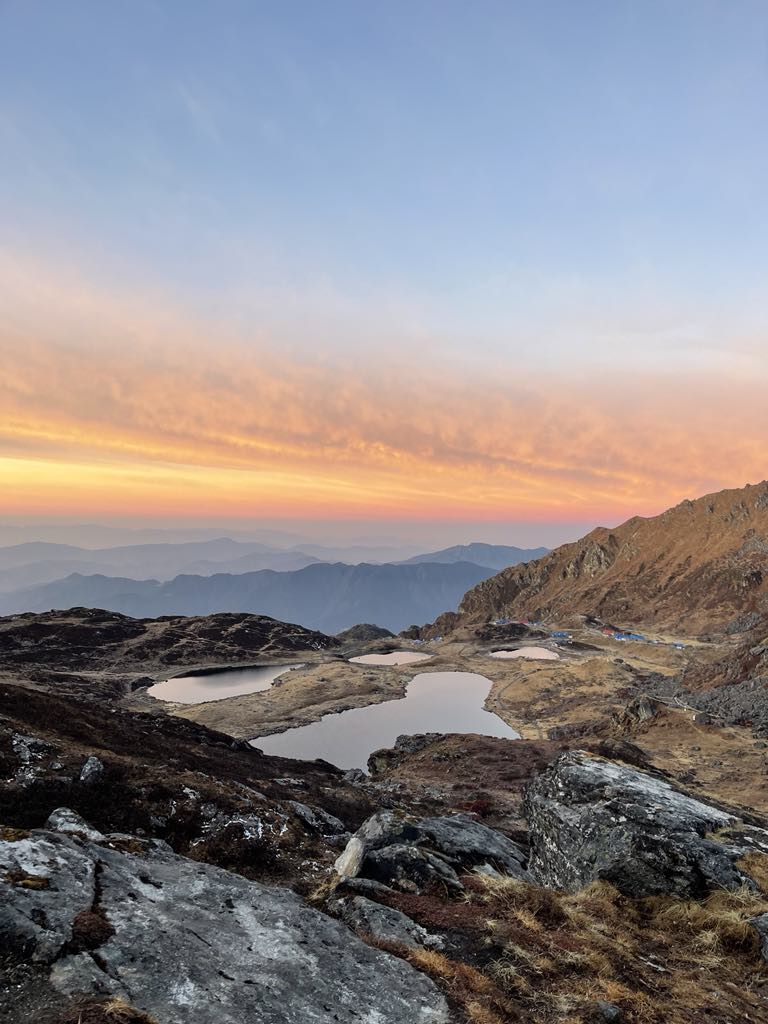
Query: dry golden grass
(478, 995)
(12, 835)
(120, 1012)
(323, 891)
(661, 960)
(756, 865)
(547, 958)
(26, 881)
(103, 1011)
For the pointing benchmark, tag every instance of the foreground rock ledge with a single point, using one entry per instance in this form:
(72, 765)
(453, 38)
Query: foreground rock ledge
(186, 941)
(591, 819)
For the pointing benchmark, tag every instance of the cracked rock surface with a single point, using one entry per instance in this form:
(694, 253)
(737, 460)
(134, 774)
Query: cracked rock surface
(385, 924)
(593, 819)
(186, 941)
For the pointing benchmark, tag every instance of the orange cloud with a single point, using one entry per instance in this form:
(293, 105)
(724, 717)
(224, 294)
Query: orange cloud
(112, 404)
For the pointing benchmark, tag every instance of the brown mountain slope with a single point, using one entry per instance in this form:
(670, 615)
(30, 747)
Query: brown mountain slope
(694, 568)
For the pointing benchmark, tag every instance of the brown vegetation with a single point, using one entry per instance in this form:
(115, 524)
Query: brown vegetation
(695, 568)
(103, 1011)
(549, 958)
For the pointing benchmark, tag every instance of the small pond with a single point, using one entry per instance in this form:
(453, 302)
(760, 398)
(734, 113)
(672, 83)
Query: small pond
(393, 658)
(230, 682)
(434, 702)
(534, 653)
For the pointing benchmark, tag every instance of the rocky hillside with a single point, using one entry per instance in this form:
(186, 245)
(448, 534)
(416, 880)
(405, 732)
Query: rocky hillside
(701, 566)
(99, 653)
(83, 638)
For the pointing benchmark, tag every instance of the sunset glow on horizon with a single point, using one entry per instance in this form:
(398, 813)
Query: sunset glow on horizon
(269, 273)
(122, 419)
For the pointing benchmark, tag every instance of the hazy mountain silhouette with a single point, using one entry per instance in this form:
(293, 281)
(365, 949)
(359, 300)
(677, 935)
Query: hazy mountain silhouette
(29, 564)
(329, 597)
(495, 556)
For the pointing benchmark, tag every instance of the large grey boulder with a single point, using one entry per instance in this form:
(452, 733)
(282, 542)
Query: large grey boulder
(318, 820)
(464, 841)
(392, 847)
(383, 923)
(590, 819)
(382, 829)
(186, 941)
(410, 868)
(45, 882)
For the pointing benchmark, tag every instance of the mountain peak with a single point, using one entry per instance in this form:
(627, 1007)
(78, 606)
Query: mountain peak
(693, 567)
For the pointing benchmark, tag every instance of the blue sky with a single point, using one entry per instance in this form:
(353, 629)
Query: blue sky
(457, 155)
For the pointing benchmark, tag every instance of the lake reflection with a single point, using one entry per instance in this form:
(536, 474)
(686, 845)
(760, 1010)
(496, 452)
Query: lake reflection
(393, 658)
(232, 682)
(434, 702)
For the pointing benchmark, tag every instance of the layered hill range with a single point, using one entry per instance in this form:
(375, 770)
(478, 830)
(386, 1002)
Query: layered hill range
(701, 566)
(330, 596)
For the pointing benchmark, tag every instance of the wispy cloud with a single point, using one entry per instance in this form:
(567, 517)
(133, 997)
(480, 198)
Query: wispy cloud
(115, 402)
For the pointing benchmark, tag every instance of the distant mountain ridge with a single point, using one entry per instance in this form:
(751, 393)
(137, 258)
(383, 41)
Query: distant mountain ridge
(495, 556)
(695, 567)
(32, 563)
(328, 597)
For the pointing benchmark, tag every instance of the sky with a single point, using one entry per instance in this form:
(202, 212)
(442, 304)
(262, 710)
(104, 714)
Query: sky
(478, 265)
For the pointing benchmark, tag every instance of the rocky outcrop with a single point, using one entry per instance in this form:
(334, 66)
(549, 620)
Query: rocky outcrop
(696, 567)
(82, 639)
(414, 853)
(186, 941)
(760, 924)
(744, 703)
(732, 689)
(318, 820)
(388, 757)
(92, 770)
(68, 822)
(29, 752)
(384, 924)
(592, 819)
(747, 660)
(411, 869)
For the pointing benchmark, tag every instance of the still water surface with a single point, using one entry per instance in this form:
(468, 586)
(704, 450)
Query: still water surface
(434, 702)
(214, 685)
(393, 658)
(534, 653)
